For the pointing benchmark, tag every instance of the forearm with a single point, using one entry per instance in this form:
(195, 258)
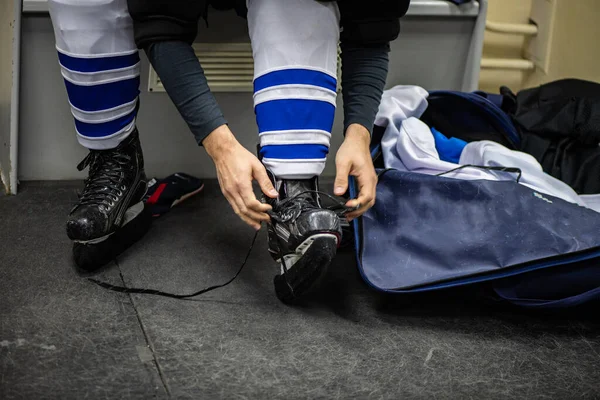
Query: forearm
(184, 80)
(364, 73)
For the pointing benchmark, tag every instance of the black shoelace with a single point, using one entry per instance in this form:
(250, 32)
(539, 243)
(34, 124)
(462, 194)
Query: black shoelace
(283, 207)
(122, 289)
(283, 212)
(106, 171)
(290, 208)
(511, 170)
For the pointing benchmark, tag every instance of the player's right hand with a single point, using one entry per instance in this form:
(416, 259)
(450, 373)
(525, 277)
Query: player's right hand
(236, 169)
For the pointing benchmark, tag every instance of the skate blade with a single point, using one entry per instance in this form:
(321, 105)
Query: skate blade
(312, 260)
(292, 259)
(90, 257)
(131, 213)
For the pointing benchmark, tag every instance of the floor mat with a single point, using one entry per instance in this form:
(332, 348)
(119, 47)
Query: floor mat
(64, 336)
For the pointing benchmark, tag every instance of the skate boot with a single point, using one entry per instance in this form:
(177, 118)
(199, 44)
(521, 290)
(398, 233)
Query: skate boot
(303, 237)
(110, 201)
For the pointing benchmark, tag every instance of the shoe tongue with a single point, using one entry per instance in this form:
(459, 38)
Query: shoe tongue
(291, 188)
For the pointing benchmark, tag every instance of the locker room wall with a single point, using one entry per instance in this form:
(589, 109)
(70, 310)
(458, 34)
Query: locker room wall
(574, 52)
(7, 20)
(432, 51)
(498, 45)
(574, 48)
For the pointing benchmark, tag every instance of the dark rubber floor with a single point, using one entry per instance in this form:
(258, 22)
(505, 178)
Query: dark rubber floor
(62, 337)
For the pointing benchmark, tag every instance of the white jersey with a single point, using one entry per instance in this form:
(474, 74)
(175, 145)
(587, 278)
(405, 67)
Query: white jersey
(408, 145)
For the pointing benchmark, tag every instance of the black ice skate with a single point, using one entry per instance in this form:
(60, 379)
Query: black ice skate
(303, 237)
(111, 199)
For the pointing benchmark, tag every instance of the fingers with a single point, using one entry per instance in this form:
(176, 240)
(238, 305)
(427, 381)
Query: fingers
(260, 175)
(250, 209)
(341, 179)
(367, 184)
(236, 169)
(255, 210)
(355, 214)
(245, 205)
(366, 197)
(363, 209)
(237, 206)
(254, 224)
(258, 206)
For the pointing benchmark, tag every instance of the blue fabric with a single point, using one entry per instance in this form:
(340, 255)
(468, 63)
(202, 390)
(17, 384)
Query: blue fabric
(496, 99)
(98, 64)
(297, 77)
(285, 115)
(471, 112)
(449, 149)
(103, 97)
(106, 128)
(295, 151)
(429, 232)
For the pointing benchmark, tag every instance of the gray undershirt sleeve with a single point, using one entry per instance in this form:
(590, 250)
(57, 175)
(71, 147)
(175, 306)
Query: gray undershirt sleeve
(364, 73)
(183, 78)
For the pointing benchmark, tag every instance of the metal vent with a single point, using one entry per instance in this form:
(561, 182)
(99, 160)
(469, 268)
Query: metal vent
(228, 67)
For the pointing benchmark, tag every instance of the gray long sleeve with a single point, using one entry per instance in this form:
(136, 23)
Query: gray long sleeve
(364, 73)
(184, 81)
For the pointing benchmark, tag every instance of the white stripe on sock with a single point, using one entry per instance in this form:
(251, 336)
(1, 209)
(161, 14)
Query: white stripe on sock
(95, 80)
(295, 137)
(292, 92)
(99, 76)
(99, 117)
(295, 169)
(117, 135)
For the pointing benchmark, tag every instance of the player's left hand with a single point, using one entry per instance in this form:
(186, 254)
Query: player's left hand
(354, 159)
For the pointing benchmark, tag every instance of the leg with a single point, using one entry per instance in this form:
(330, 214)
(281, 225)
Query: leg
(295, 44)
(100, 66)
(295, 48)
(101, 69)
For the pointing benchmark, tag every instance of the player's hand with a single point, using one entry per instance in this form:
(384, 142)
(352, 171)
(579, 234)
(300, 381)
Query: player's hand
(354, 159)
(236, 169)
